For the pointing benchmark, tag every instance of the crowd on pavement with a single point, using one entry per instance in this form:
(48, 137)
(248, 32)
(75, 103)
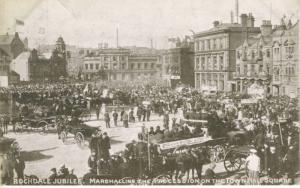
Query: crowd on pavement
(268, 123)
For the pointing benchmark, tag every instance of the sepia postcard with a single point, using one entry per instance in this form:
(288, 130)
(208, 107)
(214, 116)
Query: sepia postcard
(149, 92)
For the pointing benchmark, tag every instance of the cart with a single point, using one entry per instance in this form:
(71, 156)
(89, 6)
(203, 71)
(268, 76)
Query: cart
(77, 130)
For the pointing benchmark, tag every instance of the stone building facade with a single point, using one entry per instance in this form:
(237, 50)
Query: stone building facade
(215, 56)
(119, 64)
(254, 61)
(286, 59)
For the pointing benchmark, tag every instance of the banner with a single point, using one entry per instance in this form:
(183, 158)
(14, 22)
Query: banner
(186, 142)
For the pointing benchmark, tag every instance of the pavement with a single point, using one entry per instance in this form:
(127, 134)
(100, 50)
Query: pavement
(42, 152)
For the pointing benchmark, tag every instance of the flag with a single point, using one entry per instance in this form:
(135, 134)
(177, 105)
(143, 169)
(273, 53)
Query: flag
(19, 22)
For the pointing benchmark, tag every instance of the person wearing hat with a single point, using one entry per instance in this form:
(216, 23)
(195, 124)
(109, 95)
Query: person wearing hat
(210, 175)
(92, 161)
(53, 175)
(273, 162)
(253, 166)
(19, 166)
(115, 118)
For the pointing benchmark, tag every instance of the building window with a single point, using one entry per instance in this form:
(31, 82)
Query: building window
(276, 51)
(208, 63)
(221, 43)
(123, 58)
(114, 58)
(146, 65)
(97, 66)
(152, 65)
(268, 53)
(123, 65)
(202, 45)
(252, 54)
(197, 67)
(238, 55)
(221, 62)
(86, 66)
(115, 66)
(245, 69)
(139, 65)
(260, 68)
(203, 63)
(91, 66)
(208, 44)
(132, 66)
(105, 58)
(215, 63)
(238, 70)
(214, 44)
(196, 46)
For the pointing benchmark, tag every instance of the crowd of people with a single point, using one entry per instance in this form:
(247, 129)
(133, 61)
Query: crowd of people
(267, 122)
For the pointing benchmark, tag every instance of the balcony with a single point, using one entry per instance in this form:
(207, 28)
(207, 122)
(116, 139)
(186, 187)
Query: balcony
(252, 75)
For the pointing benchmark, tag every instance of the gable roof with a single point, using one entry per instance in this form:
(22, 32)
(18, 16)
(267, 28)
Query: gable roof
(6, 39)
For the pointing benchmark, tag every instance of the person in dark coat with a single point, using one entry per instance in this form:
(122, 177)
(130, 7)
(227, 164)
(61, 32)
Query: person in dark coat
(7, 173)
(125, 119)
(92, 162)
(115, 117)
(148, 113)
(131, 116)
(151, 131)
(273, 162)
(19, 167)
(94, 143)
(290, 162)
(105, 147)
(107, 119)
(166, 120)
(139, 113)
(97, 111)
(53, 175)
(158, 130)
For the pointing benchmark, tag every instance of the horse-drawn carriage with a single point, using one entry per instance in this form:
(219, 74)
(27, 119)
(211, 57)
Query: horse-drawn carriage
(76, 129)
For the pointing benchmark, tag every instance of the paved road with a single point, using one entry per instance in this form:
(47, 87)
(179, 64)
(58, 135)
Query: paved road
(43, 152)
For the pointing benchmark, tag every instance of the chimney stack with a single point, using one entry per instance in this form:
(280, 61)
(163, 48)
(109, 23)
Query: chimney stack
(266, 28)
(250, 20)
(231, 17)
(244, 19)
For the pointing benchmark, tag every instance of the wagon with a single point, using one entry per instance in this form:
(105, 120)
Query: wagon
(77, 130)
(40, 124)
(235, 157)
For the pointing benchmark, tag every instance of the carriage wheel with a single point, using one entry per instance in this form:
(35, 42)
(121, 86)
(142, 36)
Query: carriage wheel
(44, 127)
(79, 138)
(63, 137)
(217, 153)
(232, 162)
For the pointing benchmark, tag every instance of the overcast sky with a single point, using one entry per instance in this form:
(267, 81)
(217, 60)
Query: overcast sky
(89, 22)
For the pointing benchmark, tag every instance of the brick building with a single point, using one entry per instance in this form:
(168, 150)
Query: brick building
(215, 56)
(286, 59)
(254, 61)
(178, 63)
(4, 68)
